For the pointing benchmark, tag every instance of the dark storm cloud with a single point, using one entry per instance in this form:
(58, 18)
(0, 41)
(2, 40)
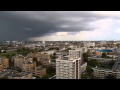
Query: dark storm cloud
(26, 24)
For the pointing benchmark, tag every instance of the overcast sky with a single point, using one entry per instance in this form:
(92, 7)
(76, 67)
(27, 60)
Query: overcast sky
(59, 25)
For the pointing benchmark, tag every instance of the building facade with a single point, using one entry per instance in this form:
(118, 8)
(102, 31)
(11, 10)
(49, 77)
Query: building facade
(39, 71)
(4, 62)
(68, 68)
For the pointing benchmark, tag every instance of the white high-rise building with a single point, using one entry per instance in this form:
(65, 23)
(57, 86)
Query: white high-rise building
(68, 67)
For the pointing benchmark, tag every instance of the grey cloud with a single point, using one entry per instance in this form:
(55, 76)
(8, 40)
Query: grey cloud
(22, 25)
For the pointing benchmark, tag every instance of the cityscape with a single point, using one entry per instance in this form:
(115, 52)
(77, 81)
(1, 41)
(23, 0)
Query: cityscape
(59, 45)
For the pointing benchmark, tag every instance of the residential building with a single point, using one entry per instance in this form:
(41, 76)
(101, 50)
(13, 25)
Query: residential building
(19, 59)
(75, 53)
(22, 75)
(68, 68)
(39, 71)
(102, 43)
(102, 73)
(28, 66)
(91, 44)
(102, 60)
(4, 62)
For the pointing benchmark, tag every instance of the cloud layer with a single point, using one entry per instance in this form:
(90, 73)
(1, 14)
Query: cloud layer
(56, 25)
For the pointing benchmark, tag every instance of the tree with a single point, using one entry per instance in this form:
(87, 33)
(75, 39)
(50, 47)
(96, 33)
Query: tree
(93, 62)
(54, 54)
(85, 57)
(45, 77)
(5, 77)
(89, 70)
(50, 71)
(104, 55)
(84, 76)
(34, 59)
(111, 63)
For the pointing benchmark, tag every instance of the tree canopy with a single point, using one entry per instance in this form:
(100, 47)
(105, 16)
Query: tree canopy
(85, 57)
(110, 77)
(104, 55)
(93, 62)
(89, 69)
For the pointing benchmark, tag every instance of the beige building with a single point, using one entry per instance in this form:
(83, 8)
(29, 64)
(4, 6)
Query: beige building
(1, 66)
(39, 71)
(4, 62)
(28, 66)
(22, 75)
(20, 59)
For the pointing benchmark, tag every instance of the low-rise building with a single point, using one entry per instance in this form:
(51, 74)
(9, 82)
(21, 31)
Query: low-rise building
(102, 73)
(39, 71)
(22, 75)
(102, 60)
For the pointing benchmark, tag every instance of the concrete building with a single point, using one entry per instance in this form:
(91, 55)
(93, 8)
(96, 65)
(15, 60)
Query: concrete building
(39, 71)
(75, 53)
(83, 67)
(19, 59)
(91, 44)
(84, 49)
(71, 66)
(102, 73)
(102, 60)
(28, 66)
(102, 43)
(68, 68)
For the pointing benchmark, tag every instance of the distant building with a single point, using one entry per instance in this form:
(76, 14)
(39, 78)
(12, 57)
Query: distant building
(102, 43)
(8, 42)
(75, 53)
(91, 44)
(84, 49)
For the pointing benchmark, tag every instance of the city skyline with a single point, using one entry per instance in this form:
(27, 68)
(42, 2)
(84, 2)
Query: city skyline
(59, 25)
